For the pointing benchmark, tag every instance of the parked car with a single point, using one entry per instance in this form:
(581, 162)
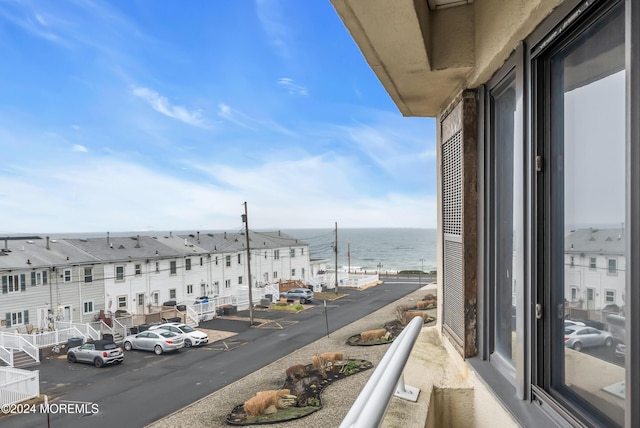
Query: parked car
(304, 295)
(174, 304)
(96, 352)
(157, 340)
(191, 336)
(621, 350)
(578, 337)
(573, 322)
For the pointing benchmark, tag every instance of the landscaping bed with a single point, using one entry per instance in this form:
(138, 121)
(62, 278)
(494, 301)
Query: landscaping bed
(299, 396)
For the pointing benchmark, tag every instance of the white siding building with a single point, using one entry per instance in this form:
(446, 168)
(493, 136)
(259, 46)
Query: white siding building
(595, 274)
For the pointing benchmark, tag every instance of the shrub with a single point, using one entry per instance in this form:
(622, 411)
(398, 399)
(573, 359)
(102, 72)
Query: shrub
(281, 303)
(263, 399)
(297, 372)
(411, 315)
(401, 311)
(371, 335)
(255, 406)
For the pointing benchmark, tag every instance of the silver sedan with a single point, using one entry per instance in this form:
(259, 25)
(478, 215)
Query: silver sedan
(578, 337)
(158, 341)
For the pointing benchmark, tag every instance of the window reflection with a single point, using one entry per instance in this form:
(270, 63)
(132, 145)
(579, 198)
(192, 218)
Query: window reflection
(507, 215)
(589, 94)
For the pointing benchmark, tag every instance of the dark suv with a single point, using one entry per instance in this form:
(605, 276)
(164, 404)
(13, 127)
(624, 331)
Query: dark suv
(96, 352)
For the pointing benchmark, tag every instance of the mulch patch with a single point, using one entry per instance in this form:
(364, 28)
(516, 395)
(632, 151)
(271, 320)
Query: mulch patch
(307, 391)
(394, 327)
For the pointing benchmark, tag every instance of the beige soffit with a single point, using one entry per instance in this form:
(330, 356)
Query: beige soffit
(420, 56)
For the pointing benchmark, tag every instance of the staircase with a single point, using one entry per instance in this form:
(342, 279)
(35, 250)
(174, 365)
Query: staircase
(20, 360)
(117, 337)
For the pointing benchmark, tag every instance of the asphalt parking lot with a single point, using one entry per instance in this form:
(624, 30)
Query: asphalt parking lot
(147, 387)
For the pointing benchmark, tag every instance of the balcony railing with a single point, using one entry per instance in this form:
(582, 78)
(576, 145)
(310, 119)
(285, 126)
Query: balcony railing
(387, 380)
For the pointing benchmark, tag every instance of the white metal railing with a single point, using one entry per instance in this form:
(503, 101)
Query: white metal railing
(371, 405)
(6, 355)
(192, 314)
(101, 328)
(16, 341)
(119, 327)
(18, 385)
(86, 330)
(49, 338)
(274, 290)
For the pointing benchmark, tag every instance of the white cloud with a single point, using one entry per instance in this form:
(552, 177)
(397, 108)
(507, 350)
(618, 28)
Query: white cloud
(162, 105)
(309, 192)
(79, 148)
(273, 23)
(291, 87)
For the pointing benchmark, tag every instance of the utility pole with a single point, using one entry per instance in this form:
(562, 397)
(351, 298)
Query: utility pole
(336, 250)
(245, 220)
(421, 270)
(349, 257)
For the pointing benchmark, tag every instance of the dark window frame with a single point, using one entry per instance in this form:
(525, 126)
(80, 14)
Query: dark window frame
(537, 406)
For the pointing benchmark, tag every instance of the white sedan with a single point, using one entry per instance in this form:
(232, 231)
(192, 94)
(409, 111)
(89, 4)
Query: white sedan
(191, 336)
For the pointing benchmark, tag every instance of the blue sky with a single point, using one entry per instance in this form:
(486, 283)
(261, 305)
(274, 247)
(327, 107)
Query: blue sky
(135, 115)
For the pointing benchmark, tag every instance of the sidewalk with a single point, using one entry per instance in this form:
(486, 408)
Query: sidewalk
(211, 411)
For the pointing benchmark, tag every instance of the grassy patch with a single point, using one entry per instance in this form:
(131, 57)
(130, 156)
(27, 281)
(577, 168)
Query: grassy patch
(290, 308)
(327, 295)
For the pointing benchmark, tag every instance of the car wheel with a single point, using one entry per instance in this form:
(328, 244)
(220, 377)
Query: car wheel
(127, 346)
(608, 342)
(302, 301)
(187, 343)
(71, 358)
(577, 346)
(157, 349)
(98, 362)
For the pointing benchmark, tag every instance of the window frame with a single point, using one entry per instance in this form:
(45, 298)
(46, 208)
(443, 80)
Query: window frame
(67, 275)
(536, 405)
(121, 302)
(88, 278)
(119, 276)
(88, 304)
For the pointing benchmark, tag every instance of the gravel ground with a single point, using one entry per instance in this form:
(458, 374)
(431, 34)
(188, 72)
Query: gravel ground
(212, 410)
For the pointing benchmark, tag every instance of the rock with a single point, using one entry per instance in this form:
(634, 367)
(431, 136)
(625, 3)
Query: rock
(285, 401)
(270, 410)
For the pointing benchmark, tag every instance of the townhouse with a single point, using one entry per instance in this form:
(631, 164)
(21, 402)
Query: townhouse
(44, 280)
(80, 279)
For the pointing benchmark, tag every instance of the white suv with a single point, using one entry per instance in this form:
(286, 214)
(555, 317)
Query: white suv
(191, 336)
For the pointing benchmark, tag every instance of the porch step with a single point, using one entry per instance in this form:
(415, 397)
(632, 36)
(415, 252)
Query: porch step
(21, 360)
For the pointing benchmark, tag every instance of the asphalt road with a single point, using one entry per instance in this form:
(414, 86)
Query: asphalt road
(147, 387)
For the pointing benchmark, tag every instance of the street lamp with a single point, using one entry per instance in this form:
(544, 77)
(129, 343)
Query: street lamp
(421, 270)
(379, 267)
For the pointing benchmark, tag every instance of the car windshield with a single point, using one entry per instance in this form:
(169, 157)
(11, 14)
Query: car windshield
(108, 346)
(568, 331)
(186, 328)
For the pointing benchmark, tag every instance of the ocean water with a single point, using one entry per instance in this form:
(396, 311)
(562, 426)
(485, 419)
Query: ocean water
(395, 249)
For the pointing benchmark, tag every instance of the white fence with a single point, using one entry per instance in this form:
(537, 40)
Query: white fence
(6, 355)
(345, 279)
(18, 341)
(18, 385)
(50, 338)
(85, 330)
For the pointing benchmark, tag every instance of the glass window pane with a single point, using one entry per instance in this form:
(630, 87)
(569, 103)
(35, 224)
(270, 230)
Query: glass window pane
(507, 217)
(588, 149)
